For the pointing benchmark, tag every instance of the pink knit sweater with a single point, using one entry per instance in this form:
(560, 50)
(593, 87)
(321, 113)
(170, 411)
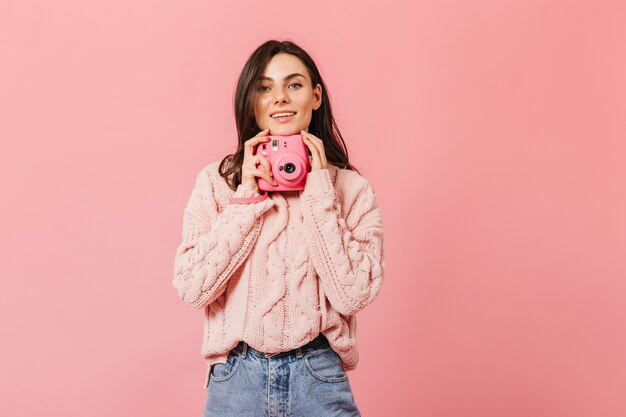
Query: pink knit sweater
(278, 272)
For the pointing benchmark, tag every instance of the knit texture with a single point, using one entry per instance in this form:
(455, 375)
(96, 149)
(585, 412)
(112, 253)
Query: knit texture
(276, 273)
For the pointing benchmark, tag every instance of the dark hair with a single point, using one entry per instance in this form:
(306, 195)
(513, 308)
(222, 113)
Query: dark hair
(322, 123)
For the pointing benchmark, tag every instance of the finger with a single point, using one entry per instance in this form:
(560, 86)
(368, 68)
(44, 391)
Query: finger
(314, 142)
(312, 138)
(312, 146)
(262, 132)
(318, 144)
(249, 144)
(323, 154)
(264, 174)
(266, 164)
(315, 153)
(262, 135)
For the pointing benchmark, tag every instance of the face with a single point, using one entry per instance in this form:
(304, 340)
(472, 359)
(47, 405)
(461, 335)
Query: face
(279, 90)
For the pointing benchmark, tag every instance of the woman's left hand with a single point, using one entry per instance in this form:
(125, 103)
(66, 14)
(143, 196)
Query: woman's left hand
(316, 146)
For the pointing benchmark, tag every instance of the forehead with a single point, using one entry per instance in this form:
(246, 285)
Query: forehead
(282, 65)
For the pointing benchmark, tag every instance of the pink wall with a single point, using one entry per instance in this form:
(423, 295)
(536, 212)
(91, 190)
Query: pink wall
(493, 133)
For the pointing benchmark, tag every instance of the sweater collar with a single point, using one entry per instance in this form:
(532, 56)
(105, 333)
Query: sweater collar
(332, 170)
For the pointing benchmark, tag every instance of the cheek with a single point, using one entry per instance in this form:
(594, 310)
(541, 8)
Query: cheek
(262, 105)
(258, 108)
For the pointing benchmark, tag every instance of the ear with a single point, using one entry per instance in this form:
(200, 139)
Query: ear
(317, 96)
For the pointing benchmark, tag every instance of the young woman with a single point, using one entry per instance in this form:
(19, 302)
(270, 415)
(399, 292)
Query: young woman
(280, 275)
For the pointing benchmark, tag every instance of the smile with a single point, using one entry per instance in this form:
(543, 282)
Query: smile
(283, 117)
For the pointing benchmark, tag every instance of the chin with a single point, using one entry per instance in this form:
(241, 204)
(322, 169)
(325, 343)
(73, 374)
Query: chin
(284, 130)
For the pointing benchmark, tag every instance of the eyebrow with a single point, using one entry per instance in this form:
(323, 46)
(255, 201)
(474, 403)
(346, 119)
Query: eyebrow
(290, 76)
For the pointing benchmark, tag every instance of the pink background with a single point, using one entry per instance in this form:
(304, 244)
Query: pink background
(493, 133)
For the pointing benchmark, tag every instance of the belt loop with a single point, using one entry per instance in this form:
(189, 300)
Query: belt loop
(244, 350)
(298, 352)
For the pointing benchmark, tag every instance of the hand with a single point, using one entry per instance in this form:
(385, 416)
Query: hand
(316, 146)
(249, 169)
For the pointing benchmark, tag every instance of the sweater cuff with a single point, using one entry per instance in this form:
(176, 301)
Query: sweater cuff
(243, 192)
(318, 181)
(257, 207)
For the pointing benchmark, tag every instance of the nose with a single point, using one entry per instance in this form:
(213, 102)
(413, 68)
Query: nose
(280, 95)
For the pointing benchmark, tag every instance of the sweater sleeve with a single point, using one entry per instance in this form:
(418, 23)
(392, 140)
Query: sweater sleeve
(346, 248)
(214, 242)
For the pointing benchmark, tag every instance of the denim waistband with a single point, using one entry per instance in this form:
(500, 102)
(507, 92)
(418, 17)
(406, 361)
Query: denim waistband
(319, 342)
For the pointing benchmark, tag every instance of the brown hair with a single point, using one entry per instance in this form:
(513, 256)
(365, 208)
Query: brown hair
(322, 124)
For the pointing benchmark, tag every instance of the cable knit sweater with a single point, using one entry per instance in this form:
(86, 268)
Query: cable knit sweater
(278, 272)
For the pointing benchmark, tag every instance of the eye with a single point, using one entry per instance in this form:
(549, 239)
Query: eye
(264, 87)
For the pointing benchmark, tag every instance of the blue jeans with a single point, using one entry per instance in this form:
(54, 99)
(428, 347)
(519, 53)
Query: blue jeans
(303, 382)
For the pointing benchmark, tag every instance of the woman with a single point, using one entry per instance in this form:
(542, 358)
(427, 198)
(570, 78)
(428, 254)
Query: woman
(280, 275)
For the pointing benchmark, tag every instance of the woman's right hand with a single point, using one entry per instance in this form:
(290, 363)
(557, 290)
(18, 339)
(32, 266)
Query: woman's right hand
(249, 170)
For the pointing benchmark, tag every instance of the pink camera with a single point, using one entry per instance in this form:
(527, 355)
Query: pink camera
(289, 160)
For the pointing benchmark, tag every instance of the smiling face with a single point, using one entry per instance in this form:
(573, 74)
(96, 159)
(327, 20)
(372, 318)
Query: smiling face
(286, 87)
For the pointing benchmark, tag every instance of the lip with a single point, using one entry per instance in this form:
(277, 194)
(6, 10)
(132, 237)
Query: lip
(283, 111)
(285, 119)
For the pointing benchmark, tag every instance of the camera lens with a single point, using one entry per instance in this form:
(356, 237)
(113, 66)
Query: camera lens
(290, 168)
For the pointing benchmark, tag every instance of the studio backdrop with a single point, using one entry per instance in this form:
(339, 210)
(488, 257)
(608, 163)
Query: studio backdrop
(492, 133)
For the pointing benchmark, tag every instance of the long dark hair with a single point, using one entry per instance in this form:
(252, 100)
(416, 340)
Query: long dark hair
(322, 124)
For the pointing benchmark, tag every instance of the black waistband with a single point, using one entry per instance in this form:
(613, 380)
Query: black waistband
(319, 342)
